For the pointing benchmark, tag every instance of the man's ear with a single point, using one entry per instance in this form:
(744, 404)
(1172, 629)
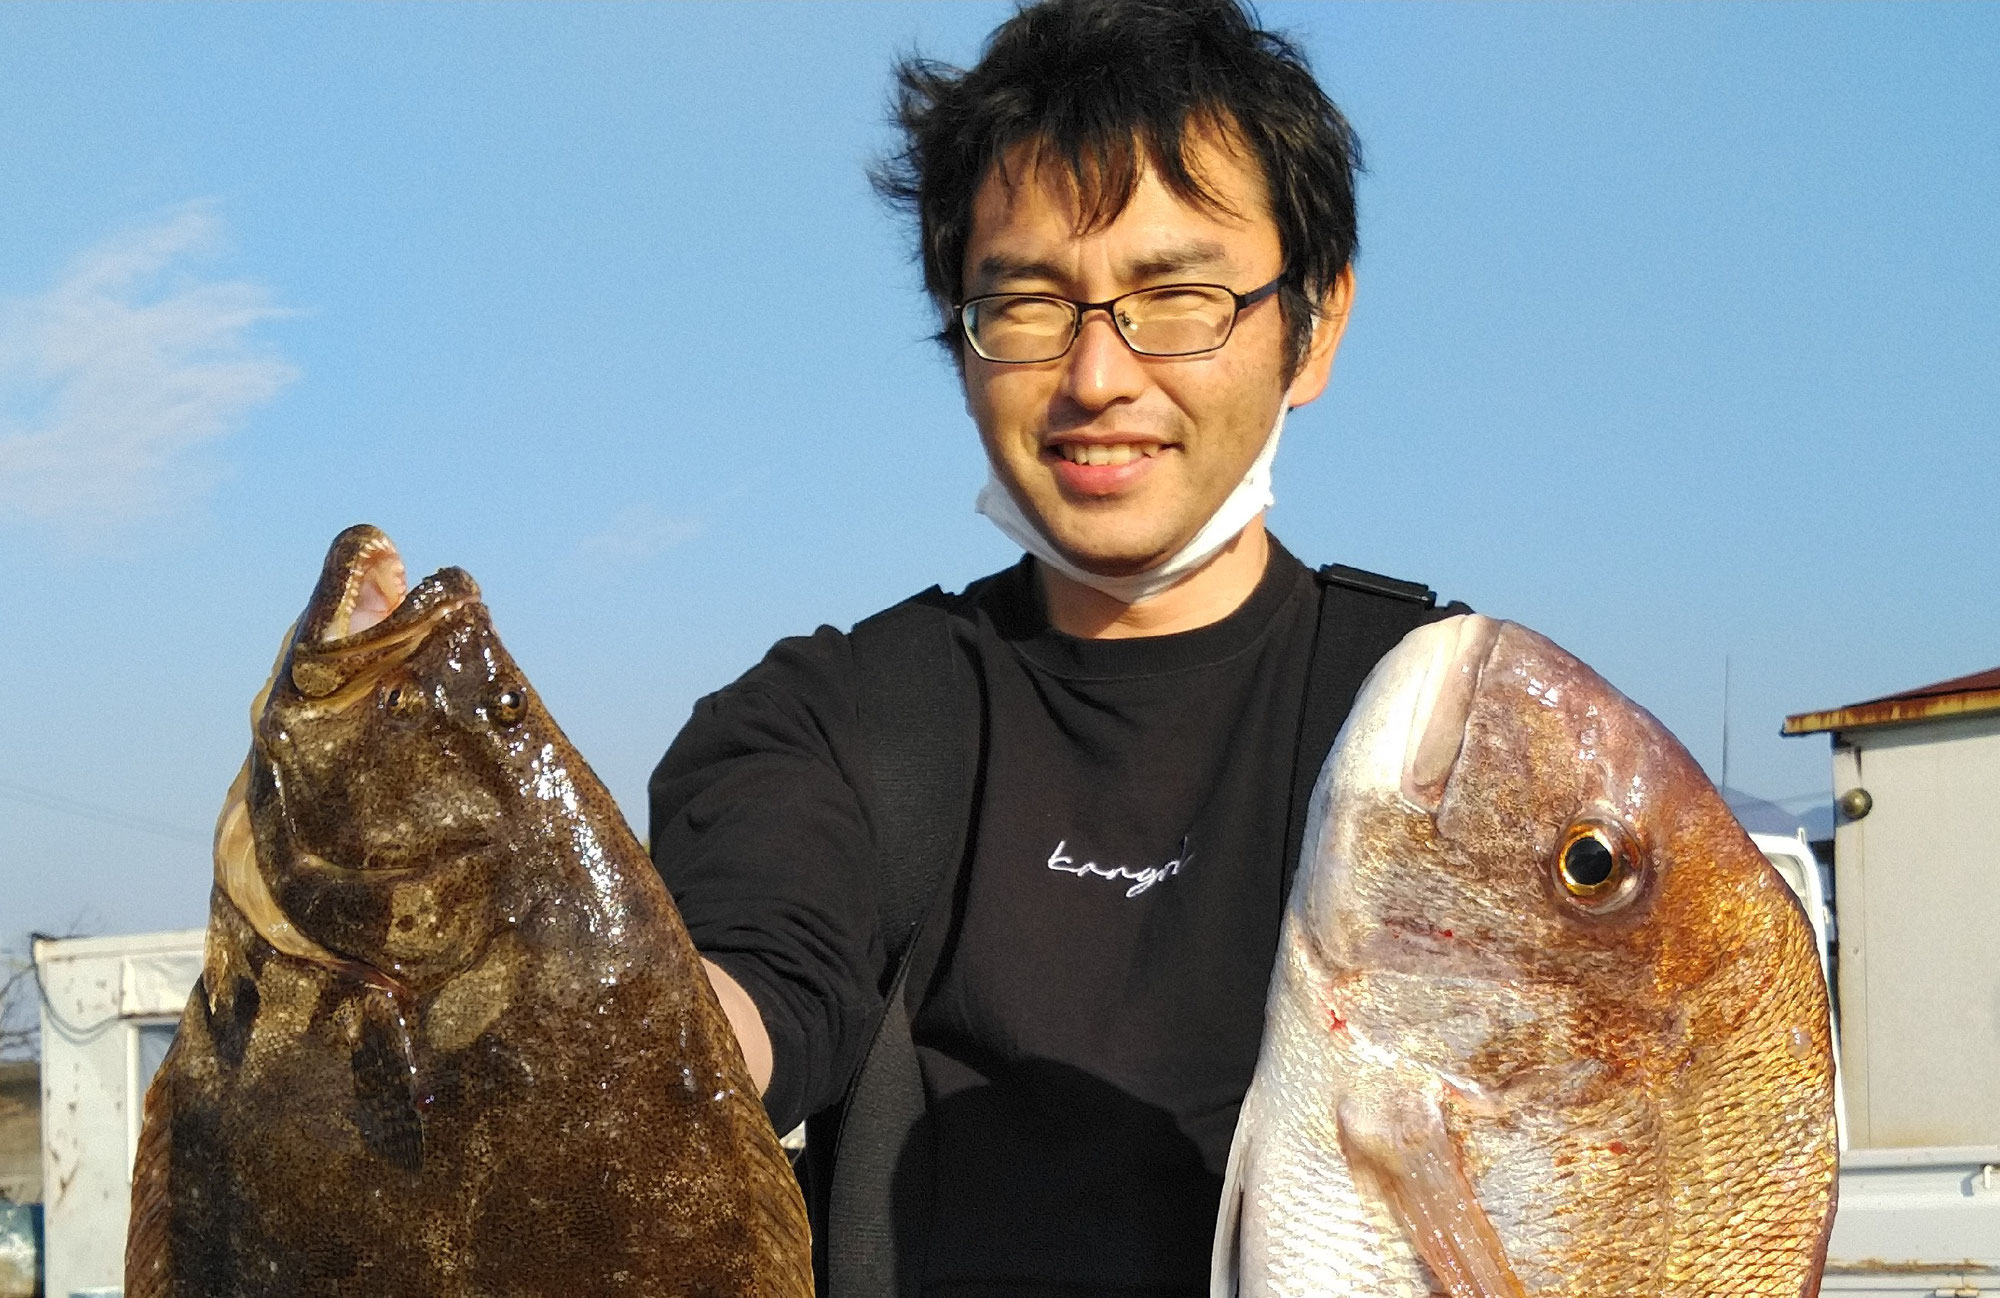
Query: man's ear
(1317, 367)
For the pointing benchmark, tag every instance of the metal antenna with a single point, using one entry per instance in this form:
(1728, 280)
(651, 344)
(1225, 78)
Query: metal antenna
(1725, 721)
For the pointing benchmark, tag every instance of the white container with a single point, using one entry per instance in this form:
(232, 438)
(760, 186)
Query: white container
(109, 1009)
(1919, 901)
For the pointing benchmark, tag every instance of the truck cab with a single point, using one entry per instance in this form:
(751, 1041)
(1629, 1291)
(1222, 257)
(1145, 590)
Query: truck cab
(1795, 863)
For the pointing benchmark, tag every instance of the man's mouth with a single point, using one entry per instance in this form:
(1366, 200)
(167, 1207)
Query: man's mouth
(1114, 454)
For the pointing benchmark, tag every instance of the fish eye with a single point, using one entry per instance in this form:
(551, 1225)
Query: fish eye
(510, 705)
(1587, 864)
(403, 698)
(1597, 865)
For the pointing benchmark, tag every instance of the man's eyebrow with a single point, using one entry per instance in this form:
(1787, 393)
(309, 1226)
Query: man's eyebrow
(1196, 254)
(999, 268)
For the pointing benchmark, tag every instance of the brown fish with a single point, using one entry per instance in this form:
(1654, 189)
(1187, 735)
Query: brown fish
(450, 1038)
(1544, 1022)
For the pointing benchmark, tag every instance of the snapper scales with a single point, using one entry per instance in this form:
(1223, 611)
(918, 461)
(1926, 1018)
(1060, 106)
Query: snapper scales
(1544, 1022)
(450, 1038)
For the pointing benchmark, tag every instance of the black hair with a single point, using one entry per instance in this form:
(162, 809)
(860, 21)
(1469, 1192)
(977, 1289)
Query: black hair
(1105, 86)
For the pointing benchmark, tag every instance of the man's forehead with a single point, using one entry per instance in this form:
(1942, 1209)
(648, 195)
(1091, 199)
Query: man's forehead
(1095, 185)
(1033, 208)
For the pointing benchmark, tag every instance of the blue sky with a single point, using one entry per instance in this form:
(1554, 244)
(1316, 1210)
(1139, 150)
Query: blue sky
(1675, 339)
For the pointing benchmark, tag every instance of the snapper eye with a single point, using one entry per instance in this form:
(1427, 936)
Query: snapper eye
(1588, 865)
(510, 706)
(1597, 866)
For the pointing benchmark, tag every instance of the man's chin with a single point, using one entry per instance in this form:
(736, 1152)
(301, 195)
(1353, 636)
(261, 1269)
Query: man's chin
(1122, 560)
(1128, 556)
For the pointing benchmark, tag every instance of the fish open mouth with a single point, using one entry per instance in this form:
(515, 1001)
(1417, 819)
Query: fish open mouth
(364, 617)
(364, 600)
(376, 584)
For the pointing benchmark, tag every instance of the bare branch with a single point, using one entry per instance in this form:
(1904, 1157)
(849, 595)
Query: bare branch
(20, 1008)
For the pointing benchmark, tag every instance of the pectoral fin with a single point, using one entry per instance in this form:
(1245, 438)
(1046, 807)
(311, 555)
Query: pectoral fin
(1398, 1146)
(385, 1103)
(1224, 1262)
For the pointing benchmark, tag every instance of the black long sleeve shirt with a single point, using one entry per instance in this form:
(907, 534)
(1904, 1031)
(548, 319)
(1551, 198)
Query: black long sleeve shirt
(1095, 1017)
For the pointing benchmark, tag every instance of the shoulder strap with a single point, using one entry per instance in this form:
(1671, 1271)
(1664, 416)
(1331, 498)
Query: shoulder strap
(1362, 615)
(920, 718)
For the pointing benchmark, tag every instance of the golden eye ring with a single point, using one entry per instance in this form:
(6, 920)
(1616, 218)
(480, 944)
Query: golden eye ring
(1597, 866)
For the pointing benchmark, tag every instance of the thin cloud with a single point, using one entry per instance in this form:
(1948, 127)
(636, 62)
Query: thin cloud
(639, 532)
(113, 380)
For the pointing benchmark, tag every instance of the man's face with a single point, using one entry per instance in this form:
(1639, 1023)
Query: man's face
(1176, 434)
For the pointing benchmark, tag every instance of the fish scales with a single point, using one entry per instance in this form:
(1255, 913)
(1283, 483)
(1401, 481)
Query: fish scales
(1544, 1022)
(451, 1038)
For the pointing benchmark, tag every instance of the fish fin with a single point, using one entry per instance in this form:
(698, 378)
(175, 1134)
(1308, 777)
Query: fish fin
(385, 1104)
(148, 1239)
(1225, 1261)
(1399, 1146)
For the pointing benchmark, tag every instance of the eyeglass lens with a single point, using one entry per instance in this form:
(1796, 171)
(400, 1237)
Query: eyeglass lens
(1176, 320)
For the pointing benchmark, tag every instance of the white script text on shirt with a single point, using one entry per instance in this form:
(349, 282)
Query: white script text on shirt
(1143, 878)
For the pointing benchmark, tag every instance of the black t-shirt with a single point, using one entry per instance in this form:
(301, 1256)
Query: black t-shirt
(1094, 1019)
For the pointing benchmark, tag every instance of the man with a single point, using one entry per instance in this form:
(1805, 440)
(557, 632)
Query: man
(1137, 219)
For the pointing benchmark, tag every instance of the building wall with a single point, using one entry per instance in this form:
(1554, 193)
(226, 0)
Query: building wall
(21, 1131)
(1919, 899)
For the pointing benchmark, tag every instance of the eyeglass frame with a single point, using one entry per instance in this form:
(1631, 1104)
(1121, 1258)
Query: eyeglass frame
(1244, 301)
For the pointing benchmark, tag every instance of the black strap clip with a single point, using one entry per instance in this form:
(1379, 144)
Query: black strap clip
(1339, 574)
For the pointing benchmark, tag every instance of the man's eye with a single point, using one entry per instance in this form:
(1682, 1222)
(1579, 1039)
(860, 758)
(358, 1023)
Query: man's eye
(1025, 311)
(1177, 302)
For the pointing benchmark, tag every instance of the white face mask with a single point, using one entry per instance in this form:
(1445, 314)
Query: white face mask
(1251, 498)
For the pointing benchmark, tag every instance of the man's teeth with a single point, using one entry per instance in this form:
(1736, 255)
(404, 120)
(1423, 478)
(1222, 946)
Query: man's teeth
(1123, 453)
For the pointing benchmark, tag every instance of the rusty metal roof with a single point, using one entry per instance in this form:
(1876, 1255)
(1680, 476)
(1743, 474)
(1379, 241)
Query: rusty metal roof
(1959, 696)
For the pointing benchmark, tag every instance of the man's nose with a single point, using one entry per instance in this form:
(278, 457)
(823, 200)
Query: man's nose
(1102, 369)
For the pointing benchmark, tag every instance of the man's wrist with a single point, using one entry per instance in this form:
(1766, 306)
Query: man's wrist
(745, 1021)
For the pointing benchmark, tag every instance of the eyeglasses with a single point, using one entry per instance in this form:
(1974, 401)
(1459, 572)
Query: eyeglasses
(1170, 320)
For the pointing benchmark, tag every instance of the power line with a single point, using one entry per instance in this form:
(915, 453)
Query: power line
(1725, 721)
(72, 1031)
(102, 815)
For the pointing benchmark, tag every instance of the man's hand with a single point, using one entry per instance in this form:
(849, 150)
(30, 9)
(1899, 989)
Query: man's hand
(746, 1022)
